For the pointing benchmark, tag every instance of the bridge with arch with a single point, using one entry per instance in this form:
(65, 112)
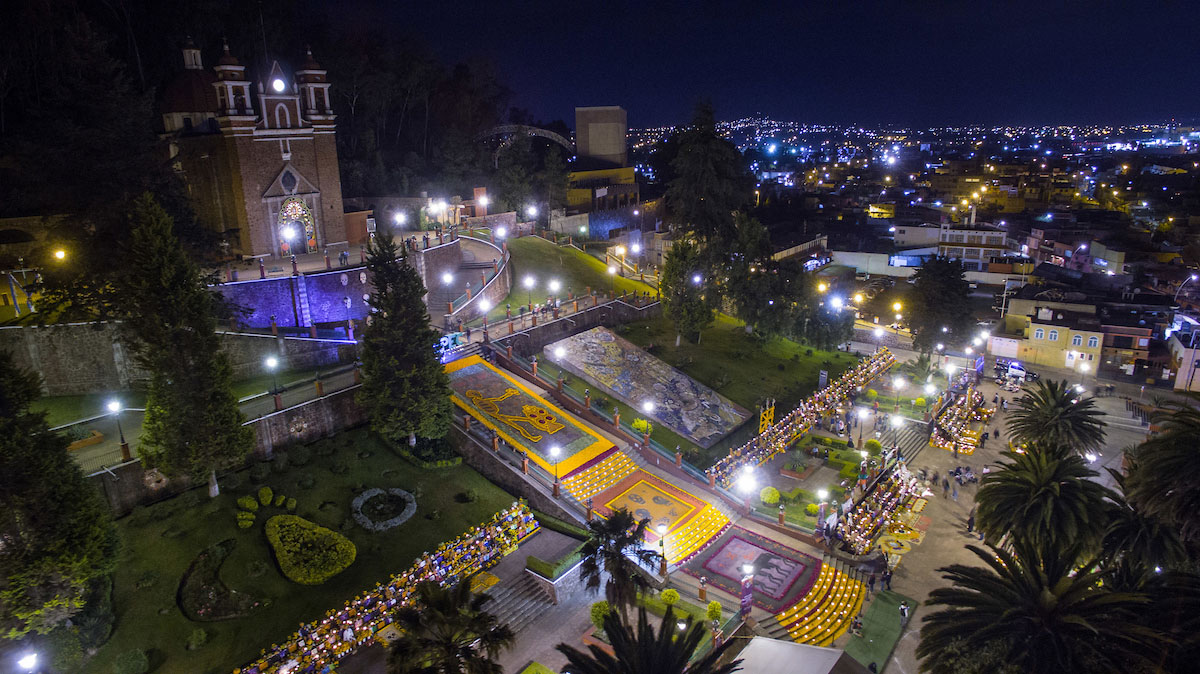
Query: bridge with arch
(512, 132)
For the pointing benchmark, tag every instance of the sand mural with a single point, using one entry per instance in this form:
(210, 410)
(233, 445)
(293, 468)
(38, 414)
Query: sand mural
(618, 368)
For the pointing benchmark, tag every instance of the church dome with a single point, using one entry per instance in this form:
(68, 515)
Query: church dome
(190, 91)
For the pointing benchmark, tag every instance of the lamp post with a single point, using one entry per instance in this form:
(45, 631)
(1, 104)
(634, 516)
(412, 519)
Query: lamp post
(897, 387)
(862, 417)
(747, 599)
(878, 332)
(1083, 370)
(662, 549)
(272, 363)
(114, 407)
(28, 662)
(528, 282)
(554, 288)
(897, 421)
(1181, 285)
(612, 274)
(554, 452)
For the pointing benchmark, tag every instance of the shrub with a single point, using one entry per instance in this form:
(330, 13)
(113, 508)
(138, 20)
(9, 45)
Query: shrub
(265, 496)
(245, 520)
(471, 495)
(132, 662)
(280, 499)
(599, 612)
(920, 402)
(307, 553)
(714, 610)
(873, 446)
(670, 596)
(872, 394)
(769, 495)
(299, 456)
(248, 503)
(66, 653)
(642, 426)
(259, 472)
(279, 464)
(197, 639)
(812, 509)
(291, 504)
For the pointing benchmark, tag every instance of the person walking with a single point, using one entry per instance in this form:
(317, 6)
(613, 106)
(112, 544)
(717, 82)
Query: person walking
(887, 579)
(871, 585)
(945, 487)
(971, 521)
(955, 495)
(903, 614)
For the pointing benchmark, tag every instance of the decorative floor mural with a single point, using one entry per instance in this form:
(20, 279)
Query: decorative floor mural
(521, 417)
(647, 496)
(781, 575)
(620, 369)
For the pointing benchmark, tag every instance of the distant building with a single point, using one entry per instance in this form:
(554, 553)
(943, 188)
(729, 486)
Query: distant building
(972, 244)
(259, 158)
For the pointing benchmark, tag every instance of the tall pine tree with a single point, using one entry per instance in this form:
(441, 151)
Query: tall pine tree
(683, 283)
(710, 183)
(193, 426)
(56, 536)
(405, 388)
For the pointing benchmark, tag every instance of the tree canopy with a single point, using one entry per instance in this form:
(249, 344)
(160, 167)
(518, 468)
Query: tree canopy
(56, 531)
(940, 292)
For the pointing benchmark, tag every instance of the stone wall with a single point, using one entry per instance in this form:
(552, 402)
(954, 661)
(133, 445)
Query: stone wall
(125, 487)
(79, 358)
(529, 342)
(321, 300)
(492, 220)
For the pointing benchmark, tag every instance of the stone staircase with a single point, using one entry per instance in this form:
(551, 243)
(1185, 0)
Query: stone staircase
(518, 603)
(911, 441)
(825, 612)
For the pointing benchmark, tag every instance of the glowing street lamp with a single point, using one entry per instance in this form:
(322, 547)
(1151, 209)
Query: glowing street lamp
(60, 255)
(399, 217)
(559, 352)
(612, 274)
(648, 407)
(528, 282)
(272, 364)
(114, 408)
(28, 661)
(837, 303)
(447, 278)
(531, 211)
(696, 279)
(483, 201)
(501, 232)
(822, 287)
(858, 298)
(1181, 285)
(896, 306)
(862, 417)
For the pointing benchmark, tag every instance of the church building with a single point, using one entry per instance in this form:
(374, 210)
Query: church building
(259, 157)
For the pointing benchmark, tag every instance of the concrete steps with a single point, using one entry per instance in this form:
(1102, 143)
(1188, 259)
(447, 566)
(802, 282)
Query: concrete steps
(518, 604)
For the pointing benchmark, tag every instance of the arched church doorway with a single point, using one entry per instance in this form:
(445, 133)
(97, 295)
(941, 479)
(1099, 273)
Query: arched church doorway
(297, 229)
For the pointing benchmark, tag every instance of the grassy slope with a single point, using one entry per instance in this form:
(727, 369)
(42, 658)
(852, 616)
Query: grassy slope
(544, 261)
(149, 618)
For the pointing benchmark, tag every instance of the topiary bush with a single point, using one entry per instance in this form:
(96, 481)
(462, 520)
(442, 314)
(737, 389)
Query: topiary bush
(265, 495)
(713, 612)
(307, 553)
(812, 509)
(248, 503)
(245, 520)
(299, 456)
(259, 472)
(873, 446)
(920, 402)
(291, 504)
(872, 394)
(599, 612)
(769, 495)
(670, 596)
(132, 662)
(280, 499)
(197, 639)
(642, 426)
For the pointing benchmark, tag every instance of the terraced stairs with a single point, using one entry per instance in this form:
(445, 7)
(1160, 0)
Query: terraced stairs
(695, 533)
(517, 604)
(824, 614)
(583, 484)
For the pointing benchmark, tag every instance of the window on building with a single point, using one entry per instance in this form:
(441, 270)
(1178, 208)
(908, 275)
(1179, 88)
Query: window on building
(1039, 334)
(1077, 340)
(1054, 335)
(1093, 342)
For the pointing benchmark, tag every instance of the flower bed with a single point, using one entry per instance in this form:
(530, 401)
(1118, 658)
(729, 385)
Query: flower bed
(381, 509)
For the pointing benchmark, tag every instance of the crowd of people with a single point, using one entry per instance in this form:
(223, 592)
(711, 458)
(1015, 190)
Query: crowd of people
(316, 647)
(960, 426)
(799, 421)
(859, 529)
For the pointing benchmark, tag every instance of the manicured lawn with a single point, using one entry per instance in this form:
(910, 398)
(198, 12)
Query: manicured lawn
(536, 257)
(881, 629)
(160, 541)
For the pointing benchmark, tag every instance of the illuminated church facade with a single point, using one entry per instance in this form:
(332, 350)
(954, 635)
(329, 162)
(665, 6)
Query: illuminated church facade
(259, 158)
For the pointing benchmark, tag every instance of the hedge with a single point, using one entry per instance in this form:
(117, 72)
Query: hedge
(658, 607)
(402, 450)
(552, 571)
(308, 554)
(566, 528)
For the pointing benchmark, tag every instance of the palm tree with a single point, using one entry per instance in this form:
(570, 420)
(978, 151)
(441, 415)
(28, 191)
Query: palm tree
(446, 631)
(1144, 542)
(1044, 496)
(609, 548)
(641, 651)
(1164, 472)
(1054, 413)
(1042, 618)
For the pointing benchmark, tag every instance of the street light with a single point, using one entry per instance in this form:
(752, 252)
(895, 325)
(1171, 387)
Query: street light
(528, 282)
(878, 336)
(1181, 285)
(648, 407)
(399, 218)
(862, 416)
(531, 211)
(896, 306)
(501, 232)
(483, 201)
(559, 352)
(837, 303)
(114, 407)
(554, 451)
(28, 661)
(662, 546)
(858, 298)
(897, 421)
(59, 254)
(272, 363)
(696, 279)
(612, 274)
(447, 278)
(930, 389)
(822, 287)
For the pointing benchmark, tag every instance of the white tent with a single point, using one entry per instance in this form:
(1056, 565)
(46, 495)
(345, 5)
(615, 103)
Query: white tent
(773, 656)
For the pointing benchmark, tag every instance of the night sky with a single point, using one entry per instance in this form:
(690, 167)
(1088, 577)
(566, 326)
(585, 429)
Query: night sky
(922, 63)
